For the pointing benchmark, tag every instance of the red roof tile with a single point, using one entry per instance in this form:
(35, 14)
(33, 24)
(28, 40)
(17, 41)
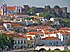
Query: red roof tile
(16, 24)
(11, 8)
(32, 33)
(50, 38)
(35, 33)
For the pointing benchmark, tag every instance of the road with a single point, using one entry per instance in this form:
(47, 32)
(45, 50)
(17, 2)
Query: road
(20, 50)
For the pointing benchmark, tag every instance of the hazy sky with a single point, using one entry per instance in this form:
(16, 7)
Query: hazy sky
(61, 3)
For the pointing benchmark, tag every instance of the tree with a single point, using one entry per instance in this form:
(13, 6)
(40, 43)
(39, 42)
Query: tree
(41, 14)
(47, 8)
(47, 15)
(32, 11)
(6, 41)
(56, 6)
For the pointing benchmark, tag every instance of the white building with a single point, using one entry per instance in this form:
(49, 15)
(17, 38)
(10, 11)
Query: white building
(51, 41)
(20, 41)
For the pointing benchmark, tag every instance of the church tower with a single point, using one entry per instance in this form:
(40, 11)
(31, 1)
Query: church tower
(4, 9)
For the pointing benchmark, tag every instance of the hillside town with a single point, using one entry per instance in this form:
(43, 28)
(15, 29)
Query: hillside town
(28, 27)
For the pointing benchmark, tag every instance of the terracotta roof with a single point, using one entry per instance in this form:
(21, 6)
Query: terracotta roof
(29, 36)
(23, 36)
(64, 32)
(11, 7)
(46, 31)
(35, 33)
(65, 29)
(50, 38)
(50, 32)
(53, 32)
(16, 24)
(32, 33)
(43, 27)
(2, 26)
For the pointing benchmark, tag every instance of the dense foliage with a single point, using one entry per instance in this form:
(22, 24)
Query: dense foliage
(6, 42)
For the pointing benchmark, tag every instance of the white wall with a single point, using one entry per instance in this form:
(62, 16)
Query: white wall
(19, 39)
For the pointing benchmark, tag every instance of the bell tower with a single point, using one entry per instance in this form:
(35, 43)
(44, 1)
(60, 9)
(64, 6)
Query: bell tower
(4, 9)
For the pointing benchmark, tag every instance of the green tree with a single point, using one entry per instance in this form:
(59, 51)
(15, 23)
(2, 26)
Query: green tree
(6, 41)
(32, 11)
(56, 6)
(47, 8)
(41, 14)
(47, 15)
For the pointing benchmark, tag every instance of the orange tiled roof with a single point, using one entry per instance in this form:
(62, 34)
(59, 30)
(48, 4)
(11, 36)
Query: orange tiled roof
(65, 29)
(29, 36)
(64, 32)
(51, 38)
(23, 36)
(35, 33)
(32, 33)
(46, 31)
(16, 24)
(43, 27)
(20, 35)
(52, 32)
(11, 8)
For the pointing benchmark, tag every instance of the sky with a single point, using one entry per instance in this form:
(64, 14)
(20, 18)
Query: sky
(38, 3)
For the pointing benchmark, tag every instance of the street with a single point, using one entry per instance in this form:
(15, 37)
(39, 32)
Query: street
(22, 50)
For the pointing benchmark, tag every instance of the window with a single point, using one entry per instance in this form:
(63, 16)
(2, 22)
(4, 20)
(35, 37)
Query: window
(21, 41)
(24, 41)
(50, 43)
(57, 43)
(18, 41)
(19, 10)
